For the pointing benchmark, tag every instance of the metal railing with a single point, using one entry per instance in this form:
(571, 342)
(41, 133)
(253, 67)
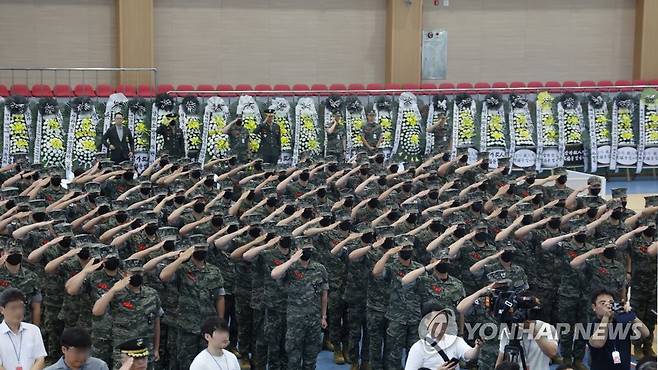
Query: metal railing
(68, 71)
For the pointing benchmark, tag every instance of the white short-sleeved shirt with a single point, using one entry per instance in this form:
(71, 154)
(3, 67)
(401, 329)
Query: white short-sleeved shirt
(422, 354)
(534, 357)
(20, 350)
(205, 361)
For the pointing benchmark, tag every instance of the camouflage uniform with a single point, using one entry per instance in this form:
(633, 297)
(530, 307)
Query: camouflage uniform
(376, 302)
(76, 310)
(168, 293)
(537, 262)
(53, 297)
(469, 254)
(275, 307)
(354, 296)
(605, 273)
(643, 286)
(27, 282)
(97, 284)
(446, 293)
(403, 312)
(239, 143)
(259, 353)
(305, 286)
(198, 289)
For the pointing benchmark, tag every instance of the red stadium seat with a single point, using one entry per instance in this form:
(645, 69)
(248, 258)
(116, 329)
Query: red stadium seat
(4, 92)
(205, 88)
(340, 89)
(84, 90)
(501, 87)
(128, 90)
(163, 89)
(263, 87)
(426, 89)
(375, 86)
(279, 88)
(104, 91)
(62, 91)
(20, 89)
(482, 88)
(535, 86)
(245, 88)
(623, 85)
(605, 85)
(412, 88)
(554, 86)
(41, 91)
(300, 88)
(393, 86)
(653, 83)
(637, 83)
(145, 91)
(447, 88)
(464, 88)
(356, 89)
(185, 88)
(586, 85)
(320, 88)
(572, 86)
(225, 90)
(517, 87)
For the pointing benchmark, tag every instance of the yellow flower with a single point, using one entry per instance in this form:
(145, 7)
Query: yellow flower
(521, 118)
(412, 120)
(523, 133)
(653, 136)
(141, 141)
(253, 145)
(193, 124)
(387, 135)
(283, 130)
(627, 135)
(56, 143)
(222, 145)
(17, 128)
(385, 123)
(604, 132)
(653, 118)
(250, 124)
(497, 135)
(313, 144)
(544, 99)
(573, 120)
(308, 125)
(88, 145)
(22, 143)
(574, 136)
(53, 124)
(625, 119)
(549, 121)
(601, 119)
(551, 134)
(140, 128)
(285, 140)
(218, 121)
(414, 139)
(357, 124)
(195, 140)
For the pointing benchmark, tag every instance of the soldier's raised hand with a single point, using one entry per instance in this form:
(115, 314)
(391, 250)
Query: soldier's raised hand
(91, 266)
(393, 251)
(73, 252)
(121, 284)
(187, 254)
(297, 255)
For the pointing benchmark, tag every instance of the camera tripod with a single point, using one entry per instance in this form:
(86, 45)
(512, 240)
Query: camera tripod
(514, 350)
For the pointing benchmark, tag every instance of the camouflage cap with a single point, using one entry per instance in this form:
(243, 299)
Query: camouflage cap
(253, 219)
(197, 239)
(530, 173)
(384, 231)
(93, 187)
(553, 212)
(442, 254)
(99, 156)
(107, 251)
(14, 247)
(102, 201)
(72, 186)
(58, 215)
(614, 204)
(404, 241)
(167, 233)
(9, 192)
(127, 166)
(449, 194)
(594, 180)
(480, 226)
(475, 196)
(38, 205)
(268, 191)
(54, 171)
(84, 240)
(303, 242)
(536, 190)
(590, 200)
(195, 166)
(145, 184)
(36, 167)
(619, 193)
(560, 171)
(95, 251)
(651, 201)
(63, 229)
(133, 265)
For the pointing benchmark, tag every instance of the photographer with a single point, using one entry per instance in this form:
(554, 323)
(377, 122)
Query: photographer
(610, 348)
(439, 347)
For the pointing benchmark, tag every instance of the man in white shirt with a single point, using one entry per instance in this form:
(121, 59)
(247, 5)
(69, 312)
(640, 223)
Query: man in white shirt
(440, 348)
(538, 340)
(215, 332)
(21, 345)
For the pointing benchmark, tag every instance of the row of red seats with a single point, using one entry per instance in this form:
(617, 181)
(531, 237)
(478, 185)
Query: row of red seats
(147, 91)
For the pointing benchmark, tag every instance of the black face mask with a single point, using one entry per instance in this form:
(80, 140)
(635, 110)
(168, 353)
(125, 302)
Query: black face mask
(56, 181)
(285, 242)
(433, 195)
(198, 207)
(65, 243)
(209, 182)
(84, 253)
(306, 254)
(289, 209)
(332, 167)
(460, 232)
(179, 199)
(442, 267)
(145, 191)
(10, 204)
(388, 243)
(393, 168)
(373, 203)
(128, 175)
(111, 264)
(379, 158)
(217, 221)
(393, 215)
(510, 190)
(445, 157)
(455, 203)
(121, 217)
(503, 213)
(527, 219)
(580, 238)
(592, 211)
(507, 256)
(595, 191)
(344, 225)
(562, 179)
(650, 232)
(136, 280)
(483, 186)
(610, 253)
(554, 223)
(164, 162)
(617, 214)
(406, 254)
(35, 176)
(168, 245)
(325, 221)
(304, 176)
(476, 207)
(530, 180)
(484, 165)
(135, 224)
(367, 238)
(322, 192)
(307, 213)
(364, 171)
(196, 174)
(271, 202)
(151, 229)
(436, 227)
(200, 255)
(381, 181)
(348, 202)
(254, 231)
(39, 217)
(228, 195)
(481, 236)
(463, 159)
(406, 188)
(14, 259)
(537, 199)
(561, 203)
(232, 228)
(412, 219)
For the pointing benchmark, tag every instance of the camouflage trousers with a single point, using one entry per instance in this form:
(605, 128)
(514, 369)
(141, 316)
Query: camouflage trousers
(275, 337)
(571, 310)
(52, 327)
(303, 341)
(549, 304)
(358, 329)
(168, 347)
(376, 323)
(399, 337)
(337, 318)
(229, 304)
(244, 318)
(643, 300)
(259, 344)
(102, 348)
(188, 345)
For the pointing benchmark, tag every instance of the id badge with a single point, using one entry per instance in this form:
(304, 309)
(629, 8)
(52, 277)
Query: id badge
(616, 358)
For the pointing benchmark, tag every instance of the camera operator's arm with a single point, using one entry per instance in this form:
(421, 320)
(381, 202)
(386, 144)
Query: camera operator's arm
(600, 334)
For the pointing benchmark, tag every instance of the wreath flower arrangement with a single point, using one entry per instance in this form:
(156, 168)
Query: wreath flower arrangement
(572, 118)
(550, 130)
(190, 123)
(624, 118)
(82, 132)
(163, 115)
(49, 146)
(17, 127)
(650, 117)
(408, 136)
(214, 121)
(307, 132)
(355, 117)
(138, 125)
(464, 113)
(383, 116)
(250, 120)
(332, 108)
(438, 108)
(521, 127)
(599, 116)
(282, 119)
(493, 119)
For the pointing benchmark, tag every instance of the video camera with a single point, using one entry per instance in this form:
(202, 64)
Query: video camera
(509, 304)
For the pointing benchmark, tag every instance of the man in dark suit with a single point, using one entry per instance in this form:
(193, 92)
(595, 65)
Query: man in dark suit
(119, 140)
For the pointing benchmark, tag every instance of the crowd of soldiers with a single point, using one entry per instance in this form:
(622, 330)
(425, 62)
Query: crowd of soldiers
(330, 254)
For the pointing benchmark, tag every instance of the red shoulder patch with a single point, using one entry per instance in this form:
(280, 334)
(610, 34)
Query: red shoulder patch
(128, 304)
(277, 262)
(475, 255)
(603, 271)
(5, 283)
(572, 254)
(643, 250)
(141, 246)
(191, 276)
(102, 286)
(298, 275)
(437, 289)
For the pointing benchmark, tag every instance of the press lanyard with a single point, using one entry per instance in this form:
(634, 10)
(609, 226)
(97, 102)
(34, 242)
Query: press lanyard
(20, 345)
